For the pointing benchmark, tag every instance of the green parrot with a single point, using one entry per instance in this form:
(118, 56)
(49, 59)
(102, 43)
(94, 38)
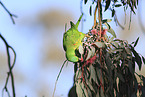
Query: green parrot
(72, 39)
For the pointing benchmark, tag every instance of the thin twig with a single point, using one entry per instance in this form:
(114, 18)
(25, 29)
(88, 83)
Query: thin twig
(58, 77)
(99, 16)
(10, 73)
(115, 18)
(95, 17)
(130, 20)
(10, 14)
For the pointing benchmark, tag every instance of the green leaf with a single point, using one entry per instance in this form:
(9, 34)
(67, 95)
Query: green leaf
(135, 84)
(85, 92)
(143, 59)
(115, 44)
(119, 75)
(113, 13)
(137, 58)
(90, 52)
(90, 10)
(75, 68)
(106, 21)
(100, 44)
(85, 1)
(79, 89)
(131, 7)
(118, 5)
(111, 39)
(143, 91)
(107, 4)
(101, 93)
(137, 2)
(77, 74)
(136, 42)
(143, 79)
(93, 74)
(130, 67)
(110, 30)
(81, 50)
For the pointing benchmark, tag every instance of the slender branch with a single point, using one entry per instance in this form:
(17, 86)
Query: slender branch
(130, 20)
(5, 87)
(10, 73)
(116, 19)
(99, 16)
(95, 17)
(58, 77)
(10, 14)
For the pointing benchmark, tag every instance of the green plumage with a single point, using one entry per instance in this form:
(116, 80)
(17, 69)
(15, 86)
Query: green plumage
(72, 39)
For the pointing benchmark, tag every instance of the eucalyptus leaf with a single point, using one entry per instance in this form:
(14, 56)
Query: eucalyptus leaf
(137, 58)
(78, 74)
(90, 10)
(101, 93)
(107, 4)
(133, 95)
(143, 91)
(110, 30)
(115, 44)
(130, 67)
(118, 5)
(100, 44)
(85, 92)
(79, 89)
(143, 79)
(135, 84)
(111, 39)
(143, 60)
(119, 75)
(106, 21)
(81, 50)
(91, 87)
(85, 1)
(131, 7)
(93, 74)
(136, 42)
(90, 52)
(113, 13)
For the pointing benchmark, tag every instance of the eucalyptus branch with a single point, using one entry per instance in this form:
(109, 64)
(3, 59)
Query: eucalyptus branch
(99, 16)
(10, 14)
(10, 66)
(95, 17)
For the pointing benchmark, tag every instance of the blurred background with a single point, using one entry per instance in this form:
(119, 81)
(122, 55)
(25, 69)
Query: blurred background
(37, 39)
